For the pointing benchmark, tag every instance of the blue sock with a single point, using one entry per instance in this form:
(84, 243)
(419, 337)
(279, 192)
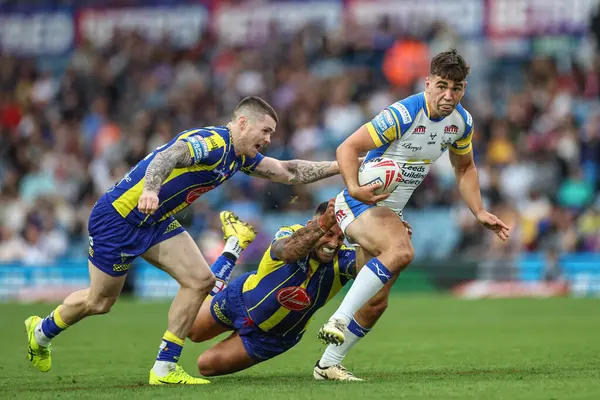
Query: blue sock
(49, 327)
(335, 354)
(222, 269)
(170, 348)
(356, 329)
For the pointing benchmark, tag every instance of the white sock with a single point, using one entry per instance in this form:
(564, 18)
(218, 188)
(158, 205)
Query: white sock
(369, 281)
(39, 336)
(232, 245)
(163, 368)
(334, 355)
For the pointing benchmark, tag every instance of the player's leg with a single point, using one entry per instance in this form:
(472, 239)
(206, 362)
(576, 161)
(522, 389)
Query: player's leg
(205, 325)
(390, 243)
(329, 367)
(181, 258)
(226, 357)
(97, 299)
(237, 235)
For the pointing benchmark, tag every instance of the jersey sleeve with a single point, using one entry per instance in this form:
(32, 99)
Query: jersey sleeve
(347, 264)
(463, 144)
(249, 164)
(206, 147)
(391, 123)
(282, 233)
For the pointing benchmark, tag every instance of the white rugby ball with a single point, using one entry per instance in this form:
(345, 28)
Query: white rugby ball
(380, 170)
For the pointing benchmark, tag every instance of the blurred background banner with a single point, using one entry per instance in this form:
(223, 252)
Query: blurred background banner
(518, 18)
(178, 24)
(88, 88)
(37, 31)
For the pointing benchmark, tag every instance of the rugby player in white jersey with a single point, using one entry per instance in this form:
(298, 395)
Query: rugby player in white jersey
(414, 132)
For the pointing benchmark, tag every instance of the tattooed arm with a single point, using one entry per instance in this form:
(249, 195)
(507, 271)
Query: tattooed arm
(164, 162)
(295, 171)
(299, 244)
(176, 156)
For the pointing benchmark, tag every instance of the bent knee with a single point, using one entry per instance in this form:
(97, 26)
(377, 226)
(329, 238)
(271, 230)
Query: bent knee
(200, 282)
(402, 257)
(195, 335)
(208, 363)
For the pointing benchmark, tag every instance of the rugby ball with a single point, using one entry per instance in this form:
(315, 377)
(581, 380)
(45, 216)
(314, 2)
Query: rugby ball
(380, 170)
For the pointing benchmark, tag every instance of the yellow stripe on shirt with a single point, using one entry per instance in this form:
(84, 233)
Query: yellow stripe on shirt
(282, 312)
(271, 292)
(129, 200)
(337, 283)
(463, 145)
(374, 134)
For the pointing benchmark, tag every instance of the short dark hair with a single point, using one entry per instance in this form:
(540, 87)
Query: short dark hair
(321, 208)
(449, 65)
(257, 105)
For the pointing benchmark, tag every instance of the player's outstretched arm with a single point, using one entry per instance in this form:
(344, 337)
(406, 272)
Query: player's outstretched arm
(298, 245)
(176, 156)
(467, 181)
(295, 171)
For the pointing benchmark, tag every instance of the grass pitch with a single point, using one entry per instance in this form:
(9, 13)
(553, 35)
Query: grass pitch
(425, 347)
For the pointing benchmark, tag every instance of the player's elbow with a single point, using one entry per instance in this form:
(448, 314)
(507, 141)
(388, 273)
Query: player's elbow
(346, 150)
(288, 174)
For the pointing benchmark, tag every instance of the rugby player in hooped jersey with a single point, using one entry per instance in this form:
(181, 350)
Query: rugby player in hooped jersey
(414, 132)
(135, 218)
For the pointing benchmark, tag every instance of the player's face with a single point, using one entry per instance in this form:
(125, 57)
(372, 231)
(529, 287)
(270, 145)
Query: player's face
(443, 95)
(327, 247)
(256, 133)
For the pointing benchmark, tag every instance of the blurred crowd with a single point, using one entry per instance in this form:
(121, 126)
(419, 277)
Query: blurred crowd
(68, 135)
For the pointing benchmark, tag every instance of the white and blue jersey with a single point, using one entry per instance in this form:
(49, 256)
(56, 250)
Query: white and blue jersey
(406, 133)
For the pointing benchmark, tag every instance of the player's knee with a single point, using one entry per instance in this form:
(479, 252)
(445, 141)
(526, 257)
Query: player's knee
(208, 363)
(100, 305)
(402, 257)
(200, 282)
(197, 335)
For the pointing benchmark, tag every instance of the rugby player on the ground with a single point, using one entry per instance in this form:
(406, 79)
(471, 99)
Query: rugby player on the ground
(269, 309)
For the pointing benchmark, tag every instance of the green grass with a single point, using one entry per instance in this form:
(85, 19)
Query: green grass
(423, 348)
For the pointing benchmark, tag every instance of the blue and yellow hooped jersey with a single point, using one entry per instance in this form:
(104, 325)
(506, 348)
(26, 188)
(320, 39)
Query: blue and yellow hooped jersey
(281, 297)
(214, 161)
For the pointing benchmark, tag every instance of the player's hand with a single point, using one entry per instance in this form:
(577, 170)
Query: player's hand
(365, 194)
(327, 220)
(148, 202)
(408, 228)
(493, 223)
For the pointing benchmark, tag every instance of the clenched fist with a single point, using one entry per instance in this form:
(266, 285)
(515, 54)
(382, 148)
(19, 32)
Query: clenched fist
(148, 202)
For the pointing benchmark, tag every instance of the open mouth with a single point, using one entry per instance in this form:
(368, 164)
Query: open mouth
(257, 147)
